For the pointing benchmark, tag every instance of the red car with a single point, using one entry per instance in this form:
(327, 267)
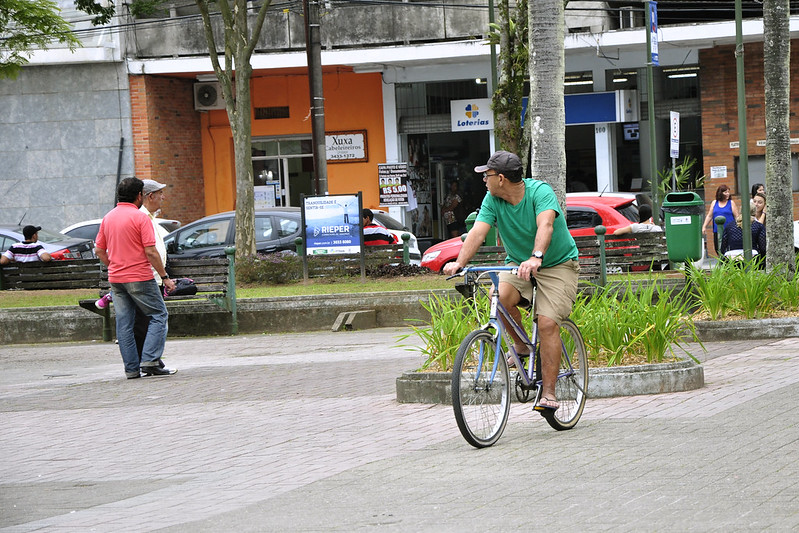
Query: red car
(584, 211)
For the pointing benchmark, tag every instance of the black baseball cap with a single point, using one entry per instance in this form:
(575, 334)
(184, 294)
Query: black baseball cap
(30, 231)
(506, 163)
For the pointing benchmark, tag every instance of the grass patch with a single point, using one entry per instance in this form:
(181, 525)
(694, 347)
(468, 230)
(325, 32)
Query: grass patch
(15, 299)
(344, 286)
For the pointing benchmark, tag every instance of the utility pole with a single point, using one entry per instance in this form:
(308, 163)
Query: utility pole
(652, 60)
(313, 48)
(743, 150)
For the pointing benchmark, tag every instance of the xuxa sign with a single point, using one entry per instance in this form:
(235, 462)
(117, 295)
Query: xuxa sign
(346, 146)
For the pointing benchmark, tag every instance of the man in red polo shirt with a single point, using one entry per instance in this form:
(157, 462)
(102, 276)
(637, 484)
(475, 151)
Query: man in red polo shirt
(126, 244)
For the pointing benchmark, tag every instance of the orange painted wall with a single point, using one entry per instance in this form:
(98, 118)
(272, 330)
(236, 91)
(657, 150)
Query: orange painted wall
(352, 102)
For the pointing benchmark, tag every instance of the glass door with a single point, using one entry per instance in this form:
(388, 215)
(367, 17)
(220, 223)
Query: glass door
(283, 170)
(271, 182)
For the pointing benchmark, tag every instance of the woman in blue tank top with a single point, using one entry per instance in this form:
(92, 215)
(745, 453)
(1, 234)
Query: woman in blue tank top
(724, 206)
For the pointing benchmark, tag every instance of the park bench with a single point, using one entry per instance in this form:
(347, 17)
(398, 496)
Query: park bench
(631, 252)
(214, 278)
(38, 275)
(623, 253)
(335, 265)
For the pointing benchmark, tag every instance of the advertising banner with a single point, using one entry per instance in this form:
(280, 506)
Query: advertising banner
(393, 182)
(471, 115)
(332, 224)
(653, 31)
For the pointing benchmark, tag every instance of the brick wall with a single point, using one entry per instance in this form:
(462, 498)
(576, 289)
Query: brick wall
(720, 111)
(166, 142)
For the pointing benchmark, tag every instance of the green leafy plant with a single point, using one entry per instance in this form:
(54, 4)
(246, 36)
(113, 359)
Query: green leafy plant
(753, 290)
(451, 319)
(712, 289)
(273, 269)
(686, 177)
(788, 291)
(619, 323)
(733, 287)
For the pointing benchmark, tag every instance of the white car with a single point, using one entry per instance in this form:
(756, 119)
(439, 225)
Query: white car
(397, 229)
(88, 228)
(796, 236)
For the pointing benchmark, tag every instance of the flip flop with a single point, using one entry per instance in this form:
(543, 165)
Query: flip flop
(546, 404)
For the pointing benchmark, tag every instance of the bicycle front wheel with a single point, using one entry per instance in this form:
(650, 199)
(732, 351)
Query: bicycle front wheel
(572, 382)
(480, 389)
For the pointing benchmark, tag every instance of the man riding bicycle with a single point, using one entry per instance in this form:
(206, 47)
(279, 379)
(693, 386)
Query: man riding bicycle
(537, 240)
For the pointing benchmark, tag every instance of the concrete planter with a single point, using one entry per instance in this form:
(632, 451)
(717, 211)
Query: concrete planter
(435, 387)
(741, 330)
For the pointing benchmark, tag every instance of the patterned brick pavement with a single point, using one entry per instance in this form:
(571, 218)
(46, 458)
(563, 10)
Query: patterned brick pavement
(301, 432)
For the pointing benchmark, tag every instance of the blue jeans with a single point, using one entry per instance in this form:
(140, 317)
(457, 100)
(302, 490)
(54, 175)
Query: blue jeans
(145, 296)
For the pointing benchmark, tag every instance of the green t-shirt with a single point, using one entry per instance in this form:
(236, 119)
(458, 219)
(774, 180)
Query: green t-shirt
(517, 224)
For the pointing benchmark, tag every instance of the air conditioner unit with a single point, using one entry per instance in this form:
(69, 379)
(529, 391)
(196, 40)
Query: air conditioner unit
(208, 95)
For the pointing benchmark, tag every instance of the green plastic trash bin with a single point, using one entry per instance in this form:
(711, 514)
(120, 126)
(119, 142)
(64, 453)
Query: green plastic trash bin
(491, 238)
(684, 212)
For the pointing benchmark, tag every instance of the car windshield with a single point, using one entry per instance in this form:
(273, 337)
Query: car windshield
(629, 211)
(388, 221)
(51, 236)
(209, 233)
(88, 231)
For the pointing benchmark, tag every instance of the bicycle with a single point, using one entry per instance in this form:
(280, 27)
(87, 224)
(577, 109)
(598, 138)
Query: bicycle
(481, 378)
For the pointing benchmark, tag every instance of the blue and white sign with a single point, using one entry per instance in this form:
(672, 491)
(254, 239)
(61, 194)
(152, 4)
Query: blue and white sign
(653, 31)
(332, 224)
(471, 115)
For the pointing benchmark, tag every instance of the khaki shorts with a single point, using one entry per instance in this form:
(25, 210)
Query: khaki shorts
(556, 289)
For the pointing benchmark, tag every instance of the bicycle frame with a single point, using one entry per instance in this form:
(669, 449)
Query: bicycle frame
(496, 312)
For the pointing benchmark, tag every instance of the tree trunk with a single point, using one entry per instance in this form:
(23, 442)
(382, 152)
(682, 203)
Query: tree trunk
(239, 44)
(241, 126)
(779, 197)
(545, 109)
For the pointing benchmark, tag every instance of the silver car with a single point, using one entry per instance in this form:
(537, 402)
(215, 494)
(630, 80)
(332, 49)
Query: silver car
(58, 245)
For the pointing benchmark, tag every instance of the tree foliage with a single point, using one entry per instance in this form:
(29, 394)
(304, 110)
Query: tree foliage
(26, 26)
(102, 14)
(237, 42)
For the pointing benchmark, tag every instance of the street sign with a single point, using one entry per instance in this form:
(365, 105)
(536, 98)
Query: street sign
(674, 144)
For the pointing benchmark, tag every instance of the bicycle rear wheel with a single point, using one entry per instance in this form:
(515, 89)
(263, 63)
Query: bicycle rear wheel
(572, 383)
(480, 395)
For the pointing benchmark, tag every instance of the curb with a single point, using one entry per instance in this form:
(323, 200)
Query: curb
(743, 330)
(436, 388)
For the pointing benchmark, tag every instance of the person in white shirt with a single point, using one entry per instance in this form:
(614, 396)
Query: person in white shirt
(644, 225)
(27, 251)
(152, 200)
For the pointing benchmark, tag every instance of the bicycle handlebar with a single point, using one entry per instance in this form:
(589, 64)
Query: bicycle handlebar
(466, 270)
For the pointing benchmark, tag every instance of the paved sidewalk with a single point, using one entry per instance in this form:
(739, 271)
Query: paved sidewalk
(300, 432)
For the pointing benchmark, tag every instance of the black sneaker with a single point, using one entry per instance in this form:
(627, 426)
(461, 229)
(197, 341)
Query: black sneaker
(157, 371)
(133, 375)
